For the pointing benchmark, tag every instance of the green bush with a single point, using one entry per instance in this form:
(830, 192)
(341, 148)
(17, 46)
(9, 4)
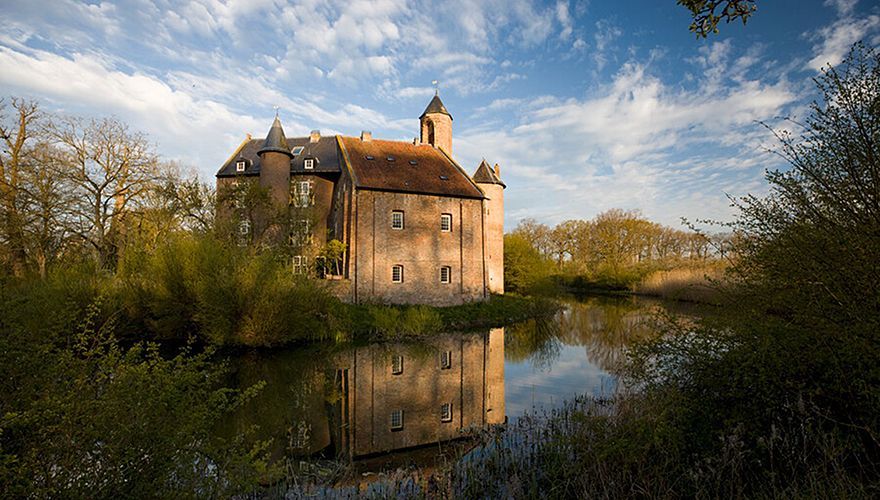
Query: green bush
(86, 417)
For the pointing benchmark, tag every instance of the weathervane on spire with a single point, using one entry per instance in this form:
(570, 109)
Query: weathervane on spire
(435, 83)
(276, 111)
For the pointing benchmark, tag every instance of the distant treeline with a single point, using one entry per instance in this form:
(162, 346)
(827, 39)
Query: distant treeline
(615, 249)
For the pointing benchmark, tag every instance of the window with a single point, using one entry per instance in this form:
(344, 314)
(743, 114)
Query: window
(396, 364)
(240, 165)
(445, 274)
(396, 420)
(446, 412)
(297, 150)
(445, 360)
(397, 274)
(397, 219)
(300, 264)
(309, 164)
(446, 223)
(302, 194)
(301, 233)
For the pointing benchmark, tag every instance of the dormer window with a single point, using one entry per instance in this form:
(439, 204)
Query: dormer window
(297, 150)
(309, 163)
(240, 165)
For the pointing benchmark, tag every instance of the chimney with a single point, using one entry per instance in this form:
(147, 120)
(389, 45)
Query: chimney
(366, 136)
(497, 171)
(314, 136)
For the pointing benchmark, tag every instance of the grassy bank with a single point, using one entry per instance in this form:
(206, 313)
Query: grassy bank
(391, 322)
(198, 289)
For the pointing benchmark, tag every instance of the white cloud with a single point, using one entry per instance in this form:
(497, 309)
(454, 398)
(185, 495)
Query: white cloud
(844, 7)
(564, 18)
(636, 143)
(836, 39)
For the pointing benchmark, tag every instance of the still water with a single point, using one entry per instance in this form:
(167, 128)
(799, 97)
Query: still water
(404, 402)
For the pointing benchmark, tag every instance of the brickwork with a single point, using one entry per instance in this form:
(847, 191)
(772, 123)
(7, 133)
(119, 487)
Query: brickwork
(494, 215)
(437, 131)
(420, 247)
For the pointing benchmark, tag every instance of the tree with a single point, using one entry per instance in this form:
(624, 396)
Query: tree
(110, 168)
(48, 199)
(817, 235)
(708, 13)
(792, 366)
(18, 138)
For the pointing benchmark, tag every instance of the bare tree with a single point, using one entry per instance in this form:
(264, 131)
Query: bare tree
(18, 137)
(110, 167)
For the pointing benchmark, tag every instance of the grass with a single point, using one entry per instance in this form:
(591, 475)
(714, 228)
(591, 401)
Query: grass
(624, 447)
(391, 322)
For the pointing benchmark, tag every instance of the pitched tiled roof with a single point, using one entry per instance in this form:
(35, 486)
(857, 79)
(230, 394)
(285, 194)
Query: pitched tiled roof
(412, 168)
(436, 106)
(486, 175)
(324, 152)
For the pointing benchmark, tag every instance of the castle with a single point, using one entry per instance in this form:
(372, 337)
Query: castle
(416, 228)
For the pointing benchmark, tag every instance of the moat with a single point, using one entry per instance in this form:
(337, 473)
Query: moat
(386, 405)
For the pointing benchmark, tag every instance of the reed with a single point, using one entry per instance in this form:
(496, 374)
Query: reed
(691, 284)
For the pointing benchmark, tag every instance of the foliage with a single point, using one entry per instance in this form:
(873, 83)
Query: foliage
(613, 251)
(224, 294)
(796, 360)
(525, 269)
(86, 417)
(332, 254)
(708, 13)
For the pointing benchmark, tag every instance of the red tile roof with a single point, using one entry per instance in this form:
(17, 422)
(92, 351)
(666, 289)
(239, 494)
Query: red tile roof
(406, 167)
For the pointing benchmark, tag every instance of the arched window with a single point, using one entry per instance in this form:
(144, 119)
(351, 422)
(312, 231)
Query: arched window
(430, 132)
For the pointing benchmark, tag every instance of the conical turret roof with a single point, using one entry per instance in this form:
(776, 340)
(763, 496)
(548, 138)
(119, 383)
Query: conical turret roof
(275, 142)
(436, 106)
(486, 175)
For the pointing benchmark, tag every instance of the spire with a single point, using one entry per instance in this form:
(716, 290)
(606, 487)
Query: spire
(436, 106)
(275, 140)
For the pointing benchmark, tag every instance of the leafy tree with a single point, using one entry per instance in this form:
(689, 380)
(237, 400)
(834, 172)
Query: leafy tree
(789, 374)
(524, 266)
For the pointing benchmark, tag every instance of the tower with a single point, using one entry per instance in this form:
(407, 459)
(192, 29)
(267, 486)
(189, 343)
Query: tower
(436, 125)
(489, 180)
(275, 158)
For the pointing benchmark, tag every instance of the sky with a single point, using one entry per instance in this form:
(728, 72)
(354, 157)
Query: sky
(587, 105)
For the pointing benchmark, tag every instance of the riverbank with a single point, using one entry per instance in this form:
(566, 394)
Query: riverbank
(259, 304)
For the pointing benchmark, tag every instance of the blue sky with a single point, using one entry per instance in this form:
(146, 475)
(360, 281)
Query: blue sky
(586, 105)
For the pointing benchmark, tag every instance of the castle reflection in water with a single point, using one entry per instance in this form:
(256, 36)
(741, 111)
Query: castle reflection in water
(377, 398)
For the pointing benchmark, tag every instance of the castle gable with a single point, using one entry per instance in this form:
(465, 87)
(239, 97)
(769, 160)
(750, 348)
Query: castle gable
(324, 153)
(408, 168)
